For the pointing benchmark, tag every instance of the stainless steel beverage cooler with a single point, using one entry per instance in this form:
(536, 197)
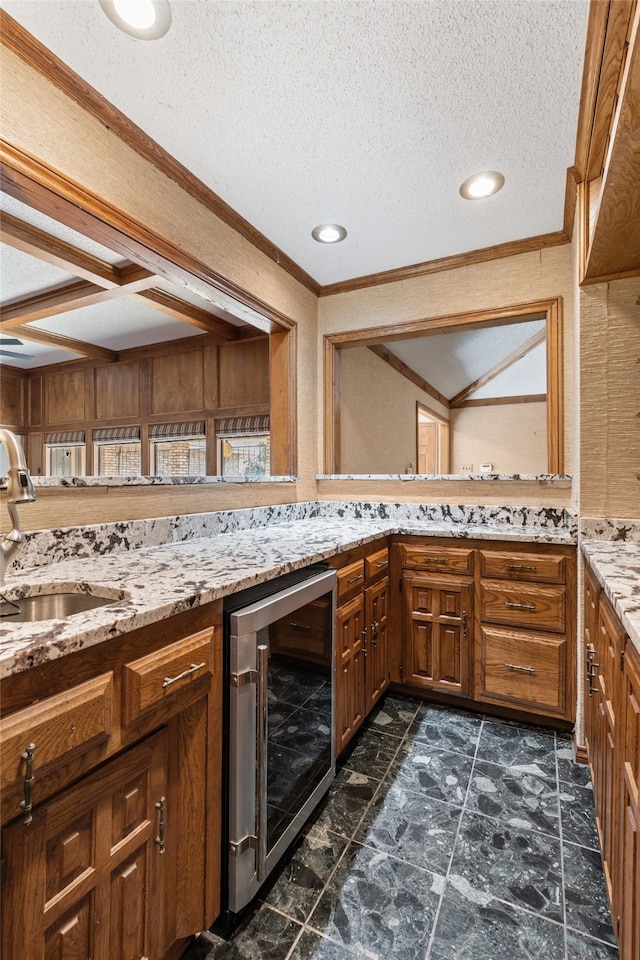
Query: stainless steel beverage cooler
(279, 755)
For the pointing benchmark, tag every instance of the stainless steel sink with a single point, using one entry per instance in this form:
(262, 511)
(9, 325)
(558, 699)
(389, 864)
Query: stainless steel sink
(52, 606)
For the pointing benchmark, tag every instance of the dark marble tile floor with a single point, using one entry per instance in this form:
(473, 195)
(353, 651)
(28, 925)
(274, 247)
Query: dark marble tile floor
(446, 836)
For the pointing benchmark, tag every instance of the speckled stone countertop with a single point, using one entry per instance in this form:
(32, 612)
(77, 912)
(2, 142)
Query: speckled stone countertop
(616, 565)
(152, 583)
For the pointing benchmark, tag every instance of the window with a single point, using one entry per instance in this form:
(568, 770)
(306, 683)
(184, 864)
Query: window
(178, 449)
(244, 446)
(117, 452)
(65, 454)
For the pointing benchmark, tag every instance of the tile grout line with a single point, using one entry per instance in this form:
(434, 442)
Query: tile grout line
(561, 835)
(453, 849)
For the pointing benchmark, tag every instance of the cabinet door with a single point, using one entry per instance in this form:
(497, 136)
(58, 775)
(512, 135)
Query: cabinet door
(629, 876)
(592, 665)
(376, 605)
(86, 879)
(350, 668)
(437, 641)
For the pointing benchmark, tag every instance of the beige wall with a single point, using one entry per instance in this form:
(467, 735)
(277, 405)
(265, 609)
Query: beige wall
(512, 437)
(378, 422)
(541, 275)
(610, 399)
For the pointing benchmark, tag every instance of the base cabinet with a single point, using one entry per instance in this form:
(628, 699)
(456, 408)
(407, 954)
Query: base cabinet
(362, 638)
(87, 877)
(111, 796)
(612, 736)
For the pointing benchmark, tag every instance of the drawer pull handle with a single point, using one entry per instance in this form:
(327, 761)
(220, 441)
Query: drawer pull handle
(592, 690)
(521, 566)
(299, 626)
(355, 579)
(162, 824)
(383, 563)
(435, 560)
(518, 668)
(464, 623)
(520, 606)
(182, 676)
(26, 805)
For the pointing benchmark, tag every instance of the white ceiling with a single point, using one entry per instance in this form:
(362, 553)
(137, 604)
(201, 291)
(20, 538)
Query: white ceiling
(370, 113)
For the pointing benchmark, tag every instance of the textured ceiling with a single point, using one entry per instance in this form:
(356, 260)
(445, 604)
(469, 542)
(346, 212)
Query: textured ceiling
(370, 113)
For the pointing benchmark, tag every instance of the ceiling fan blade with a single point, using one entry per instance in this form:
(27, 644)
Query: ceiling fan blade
(9, 340)
(12, 353)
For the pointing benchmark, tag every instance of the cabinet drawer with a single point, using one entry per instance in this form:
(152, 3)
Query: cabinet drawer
(350, 580)
(73, 720)
(306, 634)
(537, 567)
(164, 674)
(376, 564)
(438, 559)
(523, 605)
(527, 670)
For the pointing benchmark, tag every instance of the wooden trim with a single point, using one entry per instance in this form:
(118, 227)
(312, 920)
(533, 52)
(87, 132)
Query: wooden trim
(596, 32)
(385, 354)
(188, 313)
(29, 239)
(36, 55)
(570, 201)
(511, 249)
(555, 391)
(500, 367)
(551, 310)
(31, 181)
(581, 752)
(497, 401)
(35, 335)
(332, 407)
(283, 420)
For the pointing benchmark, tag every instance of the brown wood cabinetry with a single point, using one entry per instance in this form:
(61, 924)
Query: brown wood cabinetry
(362, 637)
(526, 617)
(487, 624)
(612, 736)
(111, 795)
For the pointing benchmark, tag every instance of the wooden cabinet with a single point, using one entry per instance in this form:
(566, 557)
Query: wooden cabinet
(526, 618)
(612, 736)
(362, 637)
(437, 643)
(486, 624)
(111, 795)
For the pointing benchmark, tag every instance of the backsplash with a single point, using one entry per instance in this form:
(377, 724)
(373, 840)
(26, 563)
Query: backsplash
(51, 546)
(610, 528)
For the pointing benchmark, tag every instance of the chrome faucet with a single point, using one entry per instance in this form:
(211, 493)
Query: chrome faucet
(19, 490)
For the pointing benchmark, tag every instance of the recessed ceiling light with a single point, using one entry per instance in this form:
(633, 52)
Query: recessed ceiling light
(142, 19)
(328, 233)
(482, 185)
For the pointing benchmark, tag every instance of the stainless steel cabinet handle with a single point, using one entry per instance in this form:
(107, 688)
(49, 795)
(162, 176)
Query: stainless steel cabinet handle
(26, 805)
(435, 560)
(520, 566)
(383, 563)
(162, 824)
(464, 623)
(299, 626)
(182, 676)
(520, 606)
(355, 579)
(261, 780)
(518, 668)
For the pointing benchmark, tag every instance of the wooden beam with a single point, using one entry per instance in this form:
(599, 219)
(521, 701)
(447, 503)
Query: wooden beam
(29, 239)
(35, 335)
(73, 296)
(402, 368)
(500, 367)
(496, 401)
(180, 310)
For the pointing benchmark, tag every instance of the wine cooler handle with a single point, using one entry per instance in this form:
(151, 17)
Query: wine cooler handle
(261, 807)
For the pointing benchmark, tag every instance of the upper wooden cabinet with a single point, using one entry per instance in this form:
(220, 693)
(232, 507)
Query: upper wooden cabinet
(608, 146)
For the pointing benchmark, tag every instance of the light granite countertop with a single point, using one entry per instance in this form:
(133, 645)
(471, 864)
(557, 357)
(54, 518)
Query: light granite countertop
(616, 565)
(160, 581)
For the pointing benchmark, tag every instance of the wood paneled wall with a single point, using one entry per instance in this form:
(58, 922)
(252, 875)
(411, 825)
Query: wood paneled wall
(194, 378)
